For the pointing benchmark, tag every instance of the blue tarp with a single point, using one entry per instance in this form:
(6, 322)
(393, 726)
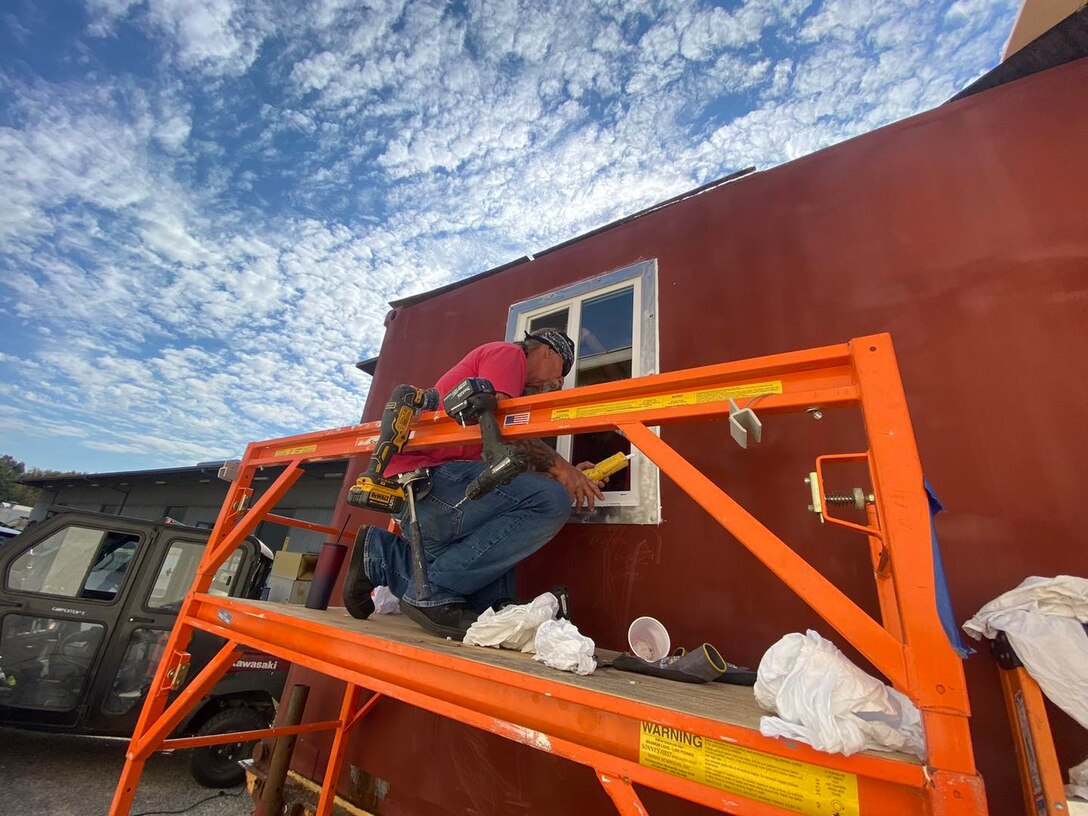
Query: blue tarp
(940, 583)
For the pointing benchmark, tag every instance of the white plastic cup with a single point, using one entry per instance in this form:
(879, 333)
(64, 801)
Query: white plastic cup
(648, 639)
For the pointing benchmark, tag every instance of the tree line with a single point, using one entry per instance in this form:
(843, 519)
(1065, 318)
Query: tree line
(11, 471)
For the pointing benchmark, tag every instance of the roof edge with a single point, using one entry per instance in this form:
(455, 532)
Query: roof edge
(74, 476)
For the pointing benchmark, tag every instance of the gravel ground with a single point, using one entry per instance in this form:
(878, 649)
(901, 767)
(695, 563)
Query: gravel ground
(63, 775)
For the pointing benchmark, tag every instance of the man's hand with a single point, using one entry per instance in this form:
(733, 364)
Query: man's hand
(583, 490)
(584, 466)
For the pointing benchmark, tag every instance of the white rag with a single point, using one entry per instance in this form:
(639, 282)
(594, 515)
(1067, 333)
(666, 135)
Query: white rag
(824, 700)
(385, 602)
(1043, 620)
(1078, 781)
(515, 626)
(561, 646)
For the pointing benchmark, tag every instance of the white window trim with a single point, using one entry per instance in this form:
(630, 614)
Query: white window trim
(641, 504)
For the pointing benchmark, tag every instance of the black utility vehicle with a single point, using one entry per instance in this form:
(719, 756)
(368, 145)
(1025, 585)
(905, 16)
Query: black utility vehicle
(87, 602)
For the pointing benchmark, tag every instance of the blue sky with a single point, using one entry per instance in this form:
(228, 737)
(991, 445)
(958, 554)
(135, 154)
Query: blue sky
(206, 205)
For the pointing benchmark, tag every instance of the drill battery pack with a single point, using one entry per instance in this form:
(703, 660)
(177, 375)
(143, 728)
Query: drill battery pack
(386, 496)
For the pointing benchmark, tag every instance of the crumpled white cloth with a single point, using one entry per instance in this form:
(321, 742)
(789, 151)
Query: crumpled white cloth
(385, 602)
(514, 627)
(1042, 619)
(824, 700)
(1078, 781)
(561, 646)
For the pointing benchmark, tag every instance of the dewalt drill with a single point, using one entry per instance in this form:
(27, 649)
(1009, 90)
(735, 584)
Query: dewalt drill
(471, 402)
(372, 490)
(375, 492)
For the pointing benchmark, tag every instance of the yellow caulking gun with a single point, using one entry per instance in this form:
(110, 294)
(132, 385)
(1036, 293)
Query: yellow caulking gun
(605, 468)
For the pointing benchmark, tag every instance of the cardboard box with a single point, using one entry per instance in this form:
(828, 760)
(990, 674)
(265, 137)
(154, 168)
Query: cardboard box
(297, 566)
(285, 590)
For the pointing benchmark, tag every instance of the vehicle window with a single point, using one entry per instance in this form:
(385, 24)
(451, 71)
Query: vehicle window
(44, 662)
(179, 569)
(76, 562)
(136, 671)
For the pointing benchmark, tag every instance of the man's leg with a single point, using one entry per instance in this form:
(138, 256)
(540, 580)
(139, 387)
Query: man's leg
(388, 561)
(381, 558)
(476, 546)
(499, 592)
(377, 559)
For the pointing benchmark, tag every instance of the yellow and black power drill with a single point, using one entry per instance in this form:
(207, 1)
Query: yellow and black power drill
(374, 491)
(473, 402)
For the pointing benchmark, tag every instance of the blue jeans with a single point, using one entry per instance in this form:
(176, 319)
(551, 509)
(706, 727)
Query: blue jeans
(471, 550)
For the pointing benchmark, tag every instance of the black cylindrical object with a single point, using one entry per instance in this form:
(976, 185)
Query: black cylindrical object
(329, 561)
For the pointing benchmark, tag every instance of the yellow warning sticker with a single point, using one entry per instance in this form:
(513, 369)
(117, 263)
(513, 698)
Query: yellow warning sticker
(295, 451)
(749, 390)
(785, 783)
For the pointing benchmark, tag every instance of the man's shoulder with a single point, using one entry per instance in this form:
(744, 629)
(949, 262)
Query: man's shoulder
(497, 346)
(496, 351)
(501, 363)
(494, 361)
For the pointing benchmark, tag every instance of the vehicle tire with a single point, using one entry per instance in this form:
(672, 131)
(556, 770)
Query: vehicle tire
(216, 766)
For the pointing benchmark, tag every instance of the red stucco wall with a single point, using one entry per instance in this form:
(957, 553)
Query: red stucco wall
(963, 232)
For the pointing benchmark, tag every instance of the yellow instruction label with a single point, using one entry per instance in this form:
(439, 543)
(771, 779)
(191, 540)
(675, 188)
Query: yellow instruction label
(295, 451)
(750, 390)
(785, 783)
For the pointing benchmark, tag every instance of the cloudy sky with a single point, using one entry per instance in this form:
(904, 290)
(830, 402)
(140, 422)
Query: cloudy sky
(206, 205)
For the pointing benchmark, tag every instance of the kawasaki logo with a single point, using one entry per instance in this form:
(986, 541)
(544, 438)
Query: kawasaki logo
(242, 664)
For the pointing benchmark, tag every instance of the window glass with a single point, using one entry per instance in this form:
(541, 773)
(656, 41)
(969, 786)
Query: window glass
(612, 319)
(552, 320)
(226, 576)
(75, 562)
(605, 328)
(276, 536)
(108, 571)
(136, 671)
(604, 338)
(605, 355)
(45, 661)
(179, 569)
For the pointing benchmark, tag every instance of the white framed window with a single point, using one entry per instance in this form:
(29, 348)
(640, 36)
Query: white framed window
(612, 319)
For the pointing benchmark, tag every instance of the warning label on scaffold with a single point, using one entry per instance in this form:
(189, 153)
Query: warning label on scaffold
(785, 783)
(750, 391)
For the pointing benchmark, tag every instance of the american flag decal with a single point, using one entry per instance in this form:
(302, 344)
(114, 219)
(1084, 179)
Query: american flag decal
(515, 419)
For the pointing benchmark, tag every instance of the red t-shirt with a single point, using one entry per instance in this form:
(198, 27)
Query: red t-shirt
(504, 365)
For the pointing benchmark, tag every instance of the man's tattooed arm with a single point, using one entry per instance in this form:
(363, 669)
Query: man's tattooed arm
(540, 456)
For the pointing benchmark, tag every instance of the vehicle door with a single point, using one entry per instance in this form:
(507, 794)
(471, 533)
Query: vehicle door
(148, 614)
(61, 598)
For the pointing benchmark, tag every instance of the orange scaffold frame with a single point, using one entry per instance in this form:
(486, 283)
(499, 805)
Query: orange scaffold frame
(908, 645)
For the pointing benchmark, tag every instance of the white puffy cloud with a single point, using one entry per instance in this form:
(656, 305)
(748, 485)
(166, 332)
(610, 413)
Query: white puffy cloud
(195, 250)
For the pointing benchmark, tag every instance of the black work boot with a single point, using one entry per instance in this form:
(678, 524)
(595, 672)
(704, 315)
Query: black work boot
(357, 586)
(450, 620)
